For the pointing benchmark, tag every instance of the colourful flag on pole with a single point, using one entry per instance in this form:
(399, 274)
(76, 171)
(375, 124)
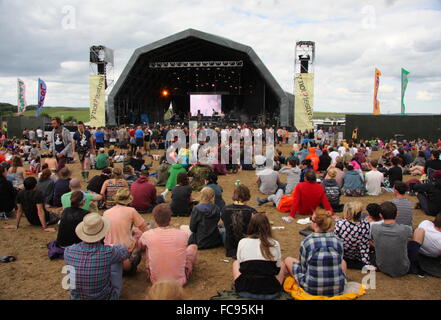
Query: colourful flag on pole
(404, 81)
(21, 93)
(41, 95)
(376, 86)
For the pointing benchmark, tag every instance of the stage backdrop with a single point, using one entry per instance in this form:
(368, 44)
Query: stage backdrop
(97, 96)
(388, 126)
(304, 101)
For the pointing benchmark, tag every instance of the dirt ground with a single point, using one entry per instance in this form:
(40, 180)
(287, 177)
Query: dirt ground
(34, 276)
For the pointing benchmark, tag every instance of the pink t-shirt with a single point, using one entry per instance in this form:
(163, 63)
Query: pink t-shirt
(167, 254)
(122, 220)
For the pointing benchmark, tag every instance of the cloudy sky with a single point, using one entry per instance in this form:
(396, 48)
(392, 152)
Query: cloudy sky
(50, 39)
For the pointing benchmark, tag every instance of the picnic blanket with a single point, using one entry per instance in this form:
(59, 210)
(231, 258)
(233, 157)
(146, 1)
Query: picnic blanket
(353, 290)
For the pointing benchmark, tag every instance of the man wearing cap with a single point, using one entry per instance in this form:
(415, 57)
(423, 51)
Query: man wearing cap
(429, 194)
(123, 219)
(91, 261)
(75, 185)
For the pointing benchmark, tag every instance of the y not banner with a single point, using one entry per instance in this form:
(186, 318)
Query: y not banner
(21, 94)
(41, 96)
(97, 94)
(376, 86)
(304, 101)
(404, 81)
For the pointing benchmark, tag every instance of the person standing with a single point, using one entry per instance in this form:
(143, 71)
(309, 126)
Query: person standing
(82, 144)
(60, 143)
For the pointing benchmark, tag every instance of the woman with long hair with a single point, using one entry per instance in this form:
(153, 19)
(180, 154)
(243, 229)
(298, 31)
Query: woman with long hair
(16, 173)
(259, 271)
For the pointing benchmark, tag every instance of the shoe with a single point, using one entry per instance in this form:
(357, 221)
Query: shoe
(260, 201)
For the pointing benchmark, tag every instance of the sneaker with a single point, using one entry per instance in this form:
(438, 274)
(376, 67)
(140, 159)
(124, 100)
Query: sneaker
(260, 201)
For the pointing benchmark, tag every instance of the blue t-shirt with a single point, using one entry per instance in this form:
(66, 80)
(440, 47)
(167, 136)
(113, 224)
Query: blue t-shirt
(139, 134)
(99, 136)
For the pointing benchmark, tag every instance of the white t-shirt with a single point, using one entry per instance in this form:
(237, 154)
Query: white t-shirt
(334, 155)
(432, 240)
(342, 151)
(39, 133)
(374, 179)
(249, 249)
(395, 152)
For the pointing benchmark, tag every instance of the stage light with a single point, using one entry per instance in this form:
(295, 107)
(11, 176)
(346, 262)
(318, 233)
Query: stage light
(165, 93)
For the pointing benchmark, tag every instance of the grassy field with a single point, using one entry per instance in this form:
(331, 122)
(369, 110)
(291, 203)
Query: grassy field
(81, 114)
(324, 115)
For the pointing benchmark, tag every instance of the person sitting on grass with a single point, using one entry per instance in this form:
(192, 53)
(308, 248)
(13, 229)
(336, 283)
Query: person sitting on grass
(404, 206)
(111, 186)
(75, 185)
(353, 184)
(373, 216)
(429, 195)
(71, 217)
(428, 235)
(332, 191)
(355, 234)
(236, 218)
(321, 270)
(259, 271)
(211, 182)
(92, 261)
(395, 173)
(30, 202)
(390, 240)
(181, 200)
(102, 160)
(168, 255)
(96, 183)
(61, 186)
(307, 196)
(144, 194)
(204, 222)
(123, 221)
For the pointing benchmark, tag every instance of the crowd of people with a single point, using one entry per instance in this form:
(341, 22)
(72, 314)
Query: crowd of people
(319, 169)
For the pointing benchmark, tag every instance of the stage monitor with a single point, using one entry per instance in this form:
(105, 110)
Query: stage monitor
(207, 104)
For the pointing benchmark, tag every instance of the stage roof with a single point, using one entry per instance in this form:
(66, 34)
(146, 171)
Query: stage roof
(193, 43)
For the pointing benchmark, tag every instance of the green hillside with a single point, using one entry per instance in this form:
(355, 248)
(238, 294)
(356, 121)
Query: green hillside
(80, 114)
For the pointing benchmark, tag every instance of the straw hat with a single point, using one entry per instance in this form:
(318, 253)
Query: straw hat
(93, 228)
(123, 196)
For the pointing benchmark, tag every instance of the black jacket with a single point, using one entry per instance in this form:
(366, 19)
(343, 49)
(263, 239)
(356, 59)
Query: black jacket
(7, 196)
(432, 191)
(203, 224)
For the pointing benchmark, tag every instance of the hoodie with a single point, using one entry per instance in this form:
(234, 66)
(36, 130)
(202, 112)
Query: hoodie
(203, 225)
(175, 170)
(314, 158)
(144, 194)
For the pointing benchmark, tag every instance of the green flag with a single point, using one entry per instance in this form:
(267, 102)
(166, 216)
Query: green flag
(404, 81)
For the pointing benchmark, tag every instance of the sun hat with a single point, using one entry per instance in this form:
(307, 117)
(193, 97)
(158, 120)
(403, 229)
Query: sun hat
(123, 196)
(93, 228)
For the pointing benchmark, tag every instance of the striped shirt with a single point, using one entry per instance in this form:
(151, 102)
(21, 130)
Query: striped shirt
(92, 262)
(319, 271)
(404, 210)
(111, 190)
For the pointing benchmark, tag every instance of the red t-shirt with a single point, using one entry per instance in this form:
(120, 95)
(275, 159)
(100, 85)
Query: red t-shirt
(132, 133)
(2, 158)
(307, 196)
(144, 194)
